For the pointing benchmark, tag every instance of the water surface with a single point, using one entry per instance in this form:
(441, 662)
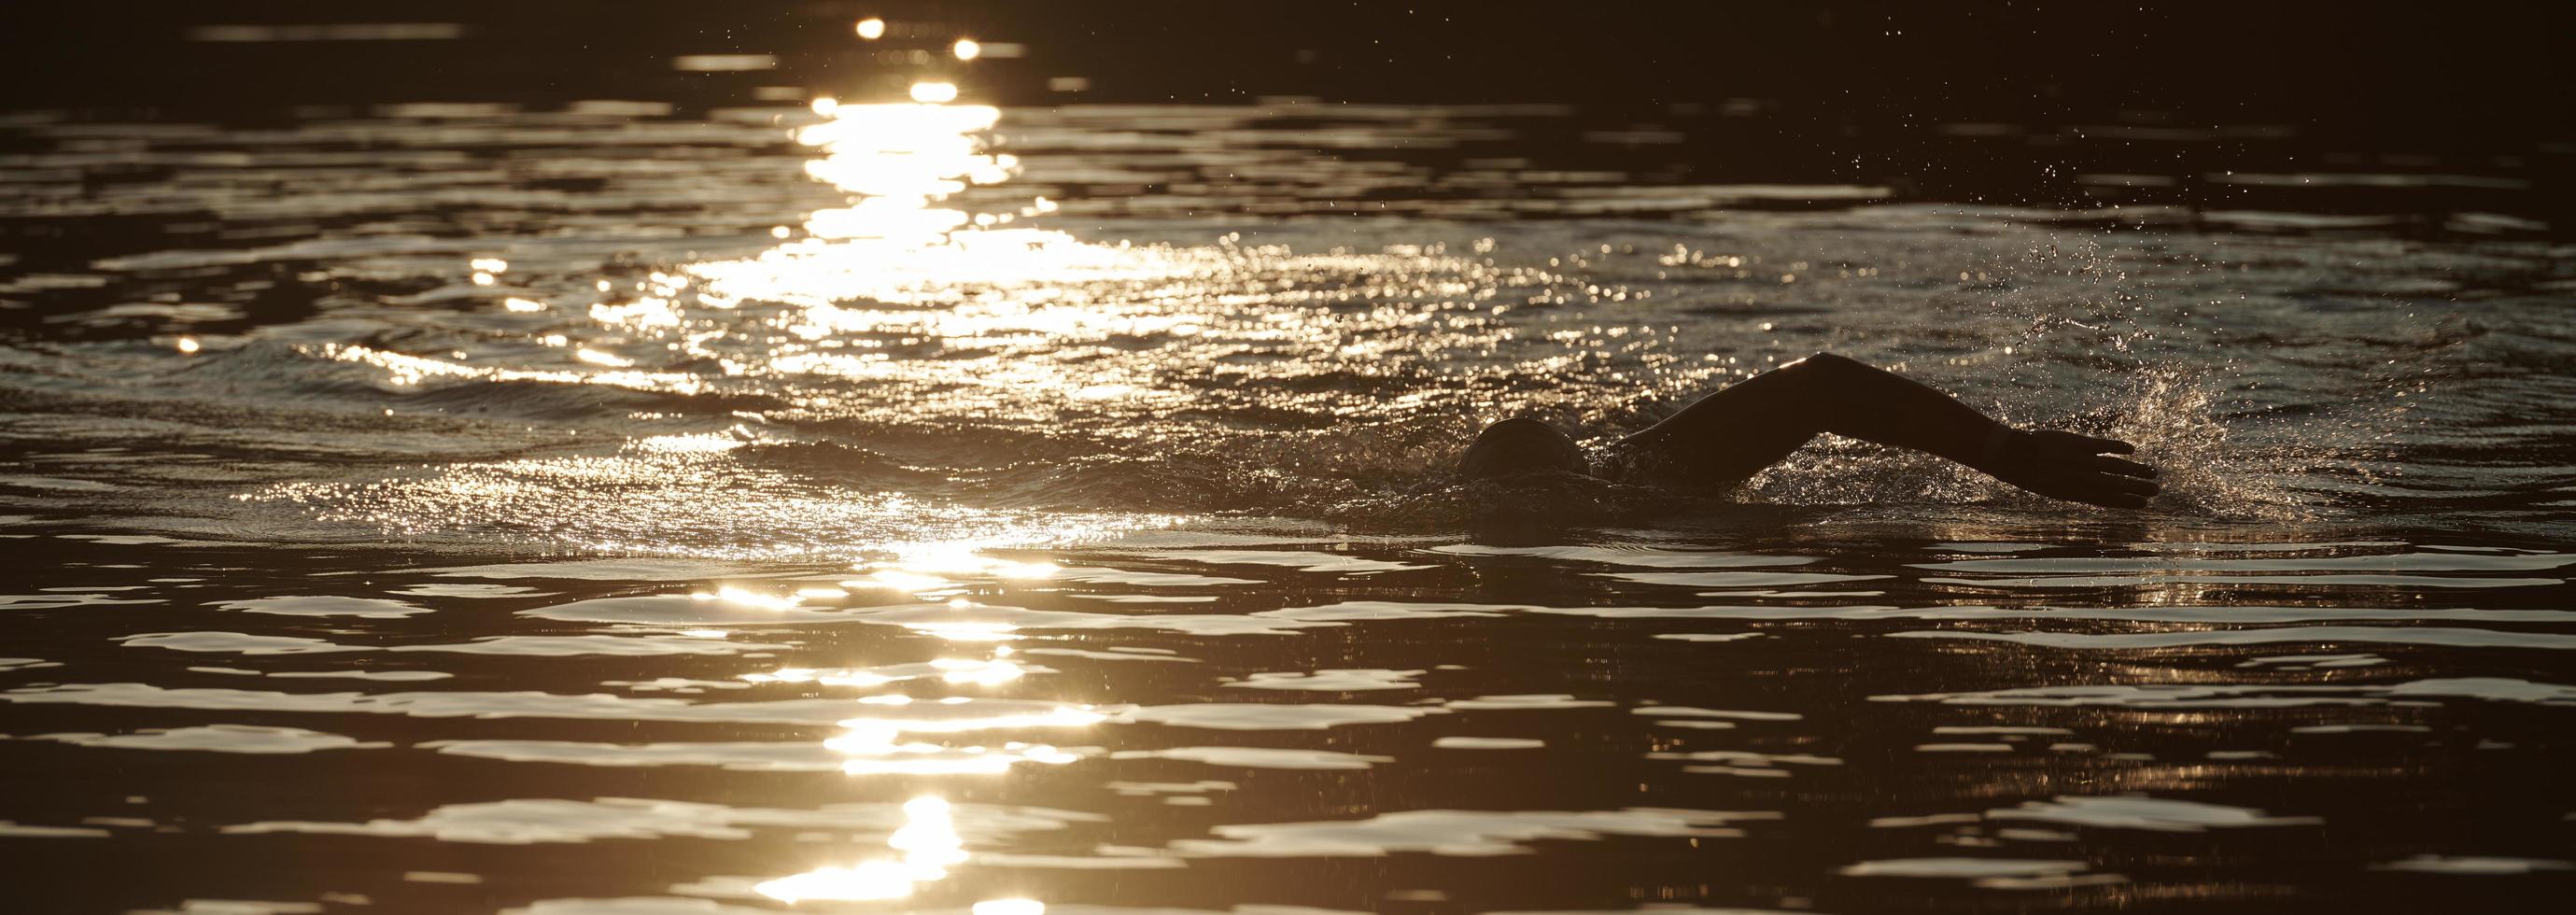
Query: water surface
(827, 504)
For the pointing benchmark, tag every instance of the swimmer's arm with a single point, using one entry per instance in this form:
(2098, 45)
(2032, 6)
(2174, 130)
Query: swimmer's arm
(1736, 432)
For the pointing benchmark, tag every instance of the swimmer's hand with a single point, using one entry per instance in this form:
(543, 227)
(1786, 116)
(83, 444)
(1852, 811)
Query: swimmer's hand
(2077, 468)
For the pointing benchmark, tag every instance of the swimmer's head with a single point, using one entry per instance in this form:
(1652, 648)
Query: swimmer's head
(1517, 446)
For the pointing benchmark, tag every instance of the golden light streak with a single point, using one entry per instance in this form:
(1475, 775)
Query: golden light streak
(734, 595)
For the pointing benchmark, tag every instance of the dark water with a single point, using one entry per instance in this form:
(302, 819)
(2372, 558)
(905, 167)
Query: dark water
(576, 506)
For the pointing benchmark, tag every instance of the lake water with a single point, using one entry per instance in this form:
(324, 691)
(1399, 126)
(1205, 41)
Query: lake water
(814, 506)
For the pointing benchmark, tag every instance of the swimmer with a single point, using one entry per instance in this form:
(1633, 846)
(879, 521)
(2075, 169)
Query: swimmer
(1728, 436)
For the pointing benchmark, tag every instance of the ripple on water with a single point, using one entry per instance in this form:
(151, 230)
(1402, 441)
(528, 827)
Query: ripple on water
(944, 716)
(1143, 579)
(547, 646)
(1627, 555)
(798, 756)
(1469, 833)
(382, 676)
(234, 643)
(1337, 563)
(17, 830)
(1524, 702)
(2188, 696)
(2317, 580)
(1684, 711)
(682, 610)
(67, 601)
(1088, 654)
(1744, 762)
(219, 738)
(621, 569)
(2397, 635)
(2149, 813)
(469, 591)
(533, 821)
(1381, 610)
(1332, 681)
(1462, 742)
(2393, 562)
(2313, 661)
(1987, 873)
(325, 605)
(2474, 865)
(634, 905)
(1735, 579)
(566, 646)
(1260, 757)
(1238, 716)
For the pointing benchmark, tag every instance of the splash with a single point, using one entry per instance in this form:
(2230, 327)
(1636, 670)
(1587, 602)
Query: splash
(2172, 419)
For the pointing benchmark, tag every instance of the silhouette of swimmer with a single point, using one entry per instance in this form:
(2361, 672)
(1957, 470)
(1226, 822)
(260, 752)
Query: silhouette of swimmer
(1730, 435)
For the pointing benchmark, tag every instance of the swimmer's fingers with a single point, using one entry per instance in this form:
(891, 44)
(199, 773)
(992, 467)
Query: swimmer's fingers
(2083, 480)
(2091, 453)
(2103, 490)
(2121, 467)
(2053, 441)
(2078, 468)
(2129, 485)
(2109, 445)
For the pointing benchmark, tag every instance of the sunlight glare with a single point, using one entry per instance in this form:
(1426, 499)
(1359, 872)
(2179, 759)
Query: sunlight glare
(966, 632)
(964, 558)
(878, 746)
(735, 595)
(927, 840)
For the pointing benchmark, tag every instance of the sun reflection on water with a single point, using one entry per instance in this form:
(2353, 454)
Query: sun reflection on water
(934, 568)
(929, 299)
(927, 841)
(899, 241)
(967, 631)
(749, 598)
(888, 744)
(968, 671)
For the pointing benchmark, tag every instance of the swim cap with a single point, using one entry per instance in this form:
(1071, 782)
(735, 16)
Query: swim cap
(1520, 445)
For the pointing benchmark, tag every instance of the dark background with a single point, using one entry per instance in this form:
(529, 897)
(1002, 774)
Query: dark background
(1870, 92)
(2420, 73)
